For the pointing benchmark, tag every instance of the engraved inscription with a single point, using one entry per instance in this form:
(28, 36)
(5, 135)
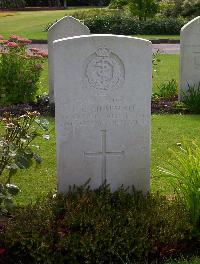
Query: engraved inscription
(114, 112)
(104, 153)
(104, 71)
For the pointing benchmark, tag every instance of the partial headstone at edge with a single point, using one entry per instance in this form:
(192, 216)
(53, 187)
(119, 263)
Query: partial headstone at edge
(189, 56)
(103, 111)
(65, 27)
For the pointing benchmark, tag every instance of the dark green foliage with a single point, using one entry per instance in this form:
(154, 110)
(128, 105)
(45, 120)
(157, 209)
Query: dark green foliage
(191, 8)
(183, 174)
(191, 98)
(59, 3)
(118, 24)
(143, 9)
(12, 4)
(118, 4)
(168, 89)
(95, 227)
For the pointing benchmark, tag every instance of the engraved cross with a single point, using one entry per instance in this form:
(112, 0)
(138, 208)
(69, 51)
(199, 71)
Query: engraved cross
(103, 153)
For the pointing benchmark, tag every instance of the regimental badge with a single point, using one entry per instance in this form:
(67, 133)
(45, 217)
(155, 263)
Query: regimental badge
(104, 71)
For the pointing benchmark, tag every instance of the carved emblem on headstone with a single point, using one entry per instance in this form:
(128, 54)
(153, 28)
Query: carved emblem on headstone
(104, 70)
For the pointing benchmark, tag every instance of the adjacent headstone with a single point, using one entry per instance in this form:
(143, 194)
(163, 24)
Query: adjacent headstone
(63, 28)
(103, 108)
(190, 55)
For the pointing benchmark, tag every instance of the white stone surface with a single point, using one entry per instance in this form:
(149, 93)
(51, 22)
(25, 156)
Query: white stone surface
(65, 27)
(190, 55)
(103, 109)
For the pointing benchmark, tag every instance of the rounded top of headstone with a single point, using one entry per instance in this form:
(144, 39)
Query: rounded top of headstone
(70, 22)
(191, 23)
(137, 41)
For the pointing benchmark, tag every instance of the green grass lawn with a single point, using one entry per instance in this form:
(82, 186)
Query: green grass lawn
(30, 24)
(177, 37)
(165, 70)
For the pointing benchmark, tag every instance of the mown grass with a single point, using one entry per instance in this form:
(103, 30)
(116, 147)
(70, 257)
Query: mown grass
(151, 37)
(167, 131)
(165, 70)
(30, 24)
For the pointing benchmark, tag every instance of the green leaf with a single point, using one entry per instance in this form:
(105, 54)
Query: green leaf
(37, 158)
(47, 137)
(24, 160)
(43, 123)
(12, 189)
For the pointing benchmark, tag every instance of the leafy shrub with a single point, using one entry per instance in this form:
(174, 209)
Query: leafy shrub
(95, 227)
(20, 70)
(85, 14)
(118, 4)
(184, 176)
(117, 24)
(191, 98)
(168, 89)
(12, 4)
(16, 152)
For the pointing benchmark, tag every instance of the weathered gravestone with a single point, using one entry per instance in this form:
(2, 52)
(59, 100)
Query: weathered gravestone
(63, 28)
(190, 55)
(102, 101)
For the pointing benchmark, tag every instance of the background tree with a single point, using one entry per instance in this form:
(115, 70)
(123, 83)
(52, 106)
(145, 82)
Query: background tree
(12, 4)
(143, 9)
(191, 8)
(171, 8)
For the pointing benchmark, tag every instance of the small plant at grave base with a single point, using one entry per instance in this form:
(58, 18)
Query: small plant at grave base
(169, 89)
(98, 226)
(191, 98)
(20, 70)
(180, 106)
(155, 57)
(17, 152)
(155, 97)
(155, 60)
(184, 176)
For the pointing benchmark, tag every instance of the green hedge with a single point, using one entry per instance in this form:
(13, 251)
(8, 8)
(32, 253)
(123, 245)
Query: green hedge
(130, 26)
(96, 227)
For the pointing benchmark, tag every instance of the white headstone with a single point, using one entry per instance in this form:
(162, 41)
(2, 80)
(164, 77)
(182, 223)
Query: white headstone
(63, 28)
(190, 55)
(103, 109)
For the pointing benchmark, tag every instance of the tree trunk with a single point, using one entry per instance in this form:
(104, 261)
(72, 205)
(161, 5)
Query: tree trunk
(58, 4)
(65, 3)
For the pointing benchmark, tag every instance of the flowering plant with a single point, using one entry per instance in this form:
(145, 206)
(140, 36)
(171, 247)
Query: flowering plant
(20, 70)
(17, 151)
